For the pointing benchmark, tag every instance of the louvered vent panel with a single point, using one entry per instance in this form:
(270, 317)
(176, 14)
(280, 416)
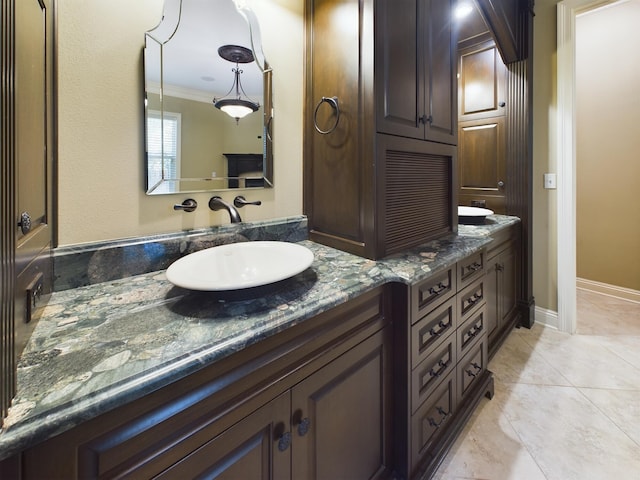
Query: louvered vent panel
(417, 199)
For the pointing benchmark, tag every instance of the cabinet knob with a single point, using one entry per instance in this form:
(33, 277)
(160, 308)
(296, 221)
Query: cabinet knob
(284, 441)
(25, 223)
(424, 119)
(500, 184)
(303, 426)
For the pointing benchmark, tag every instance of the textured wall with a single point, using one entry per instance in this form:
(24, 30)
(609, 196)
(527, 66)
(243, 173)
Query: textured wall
(607, 159)
(100, 121)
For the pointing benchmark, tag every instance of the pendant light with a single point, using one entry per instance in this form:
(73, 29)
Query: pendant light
(233, 103)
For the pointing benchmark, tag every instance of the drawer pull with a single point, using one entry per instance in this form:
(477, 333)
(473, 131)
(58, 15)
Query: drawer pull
(443, 366)
(444, 415)
(443, 326)
(438, 289)
(474, 267)
(475, 330)
(473, 299)
(477, 369)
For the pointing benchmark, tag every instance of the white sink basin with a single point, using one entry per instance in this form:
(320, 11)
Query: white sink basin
(473, 211)
(239, 265)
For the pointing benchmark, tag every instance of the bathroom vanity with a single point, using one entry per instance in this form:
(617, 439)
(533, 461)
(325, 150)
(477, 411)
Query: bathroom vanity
(356, 367)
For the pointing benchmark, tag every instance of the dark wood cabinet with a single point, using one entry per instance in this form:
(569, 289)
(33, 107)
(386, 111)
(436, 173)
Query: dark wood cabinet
(416, 70)
(27, 147)
(482, 114)
(502, 286)
(257, 447)
(340, 416)
(310, 402)
(381, 124)
(441, 363)
(482, 82)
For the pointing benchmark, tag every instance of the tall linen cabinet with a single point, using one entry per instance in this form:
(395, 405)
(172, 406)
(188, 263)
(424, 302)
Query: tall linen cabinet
(380, 124)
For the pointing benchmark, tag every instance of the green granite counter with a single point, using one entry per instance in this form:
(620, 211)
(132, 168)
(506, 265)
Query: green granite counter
(101, 345)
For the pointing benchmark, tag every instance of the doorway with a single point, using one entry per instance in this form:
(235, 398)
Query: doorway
(568, 11)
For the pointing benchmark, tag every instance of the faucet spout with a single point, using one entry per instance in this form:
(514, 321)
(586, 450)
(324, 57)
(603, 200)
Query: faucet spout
(217, 203)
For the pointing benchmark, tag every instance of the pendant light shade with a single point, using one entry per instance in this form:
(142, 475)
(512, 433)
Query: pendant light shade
(233, 103)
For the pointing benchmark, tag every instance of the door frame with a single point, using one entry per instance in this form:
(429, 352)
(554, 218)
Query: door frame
(567, 11)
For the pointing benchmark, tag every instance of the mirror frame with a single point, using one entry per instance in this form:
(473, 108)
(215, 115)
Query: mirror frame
(161, 35)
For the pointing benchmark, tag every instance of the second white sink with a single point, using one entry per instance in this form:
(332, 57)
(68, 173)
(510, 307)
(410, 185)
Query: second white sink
(239, 265)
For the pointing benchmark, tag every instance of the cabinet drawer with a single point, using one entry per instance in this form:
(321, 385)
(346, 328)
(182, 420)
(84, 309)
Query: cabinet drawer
(471, 367)
(428, 294)
(471, 331)
(432, 330)
(432, 419)
(471, 298)
(426, 376)
(470, 268)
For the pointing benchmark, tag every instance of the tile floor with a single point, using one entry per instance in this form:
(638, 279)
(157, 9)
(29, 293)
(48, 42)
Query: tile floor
(565, 407)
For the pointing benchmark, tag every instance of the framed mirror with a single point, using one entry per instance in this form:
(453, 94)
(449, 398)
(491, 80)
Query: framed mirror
(208, 100)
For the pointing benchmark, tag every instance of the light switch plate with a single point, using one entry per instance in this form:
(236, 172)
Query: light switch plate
(550, 181)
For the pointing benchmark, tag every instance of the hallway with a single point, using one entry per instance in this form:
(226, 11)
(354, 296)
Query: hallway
(565, 407)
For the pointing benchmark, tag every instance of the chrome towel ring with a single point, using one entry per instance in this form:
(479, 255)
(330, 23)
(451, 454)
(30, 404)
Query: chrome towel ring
(333, 101)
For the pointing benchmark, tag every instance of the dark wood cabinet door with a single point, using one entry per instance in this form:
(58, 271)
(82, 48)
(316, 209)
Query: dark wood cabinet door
(482, 168)
(27, 150)
(341, 416)
(256, 448)
(508, 283)
(440, 76)
(399, 69)
(501, 292)
(491, 294)
(416, 70)
(482, 82)
(339, 170)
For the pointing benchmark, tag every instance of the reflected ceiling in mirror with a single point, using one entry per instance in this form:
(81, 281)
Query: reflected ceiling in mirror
(192, 146)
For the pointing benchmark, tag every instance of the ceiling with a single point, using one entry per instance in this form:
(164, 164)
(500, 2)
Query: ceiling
(187, 40)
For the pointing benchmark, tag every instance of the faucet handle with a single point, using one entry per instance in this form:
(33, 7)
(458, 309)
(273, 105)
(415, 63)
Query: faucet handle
(189, 205)
(240, 202)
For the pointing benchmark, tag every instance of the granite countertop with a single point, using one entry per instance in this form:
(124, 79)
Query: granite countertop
(99, 346)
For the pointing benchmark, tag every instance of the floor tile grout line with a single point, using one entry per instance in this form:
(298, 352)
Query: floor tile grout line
(611, 420)
(522, 443)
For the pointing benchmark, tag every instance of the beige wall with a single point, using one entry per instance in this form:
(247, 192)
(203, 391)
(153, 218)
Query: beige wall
(607, 145)
(100, 120)
(545, 279)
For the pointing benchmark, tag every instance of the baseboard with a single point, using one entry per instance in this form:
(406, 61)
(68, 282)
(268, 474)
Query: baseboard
(610, 290)
(548, 318)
